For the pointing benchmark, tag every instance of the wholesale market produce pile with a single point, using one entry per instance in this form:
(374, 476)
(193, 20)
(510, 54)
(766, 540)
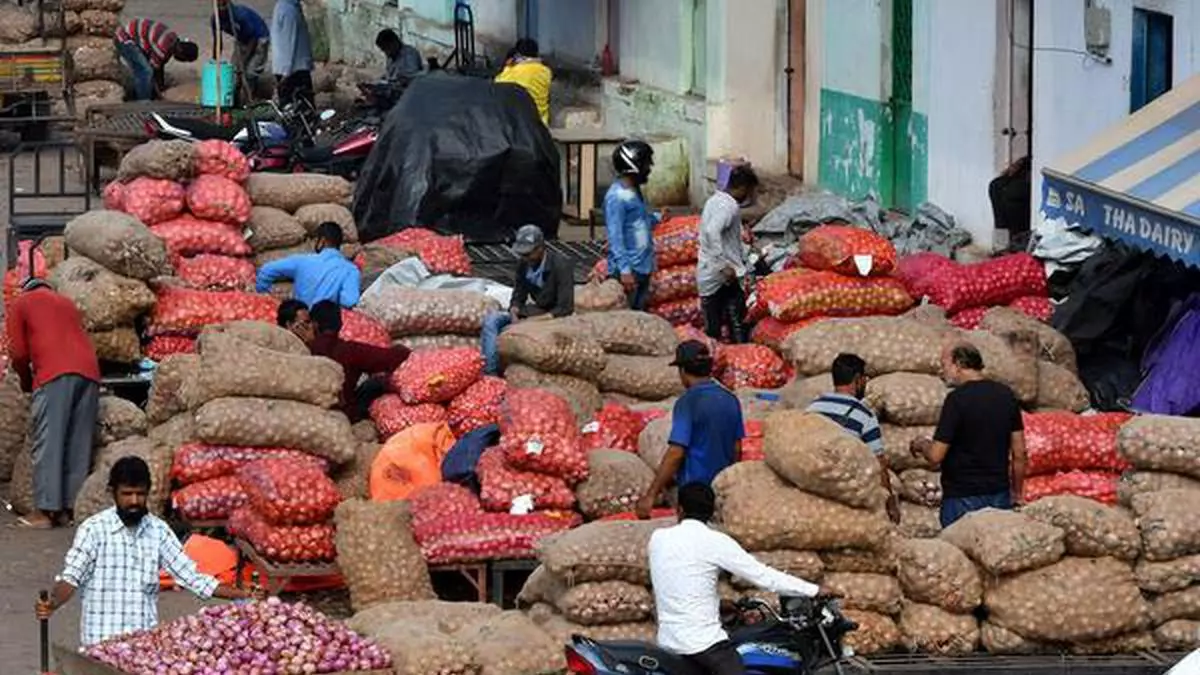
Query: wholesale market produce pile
(242, 429)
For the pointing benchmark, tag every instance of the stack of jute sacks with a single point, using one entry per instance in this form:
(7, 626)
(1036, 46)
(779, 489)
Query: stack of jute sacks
(558, 355)
(418, 318)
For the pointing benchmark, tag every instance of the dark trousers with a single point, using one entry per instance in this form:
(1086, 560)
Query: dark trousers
(719, 659)
(298, 85)
(63, 413)
(1010, 197)
(954, 508)
(368, 390)
(726, 309)
(639, 298)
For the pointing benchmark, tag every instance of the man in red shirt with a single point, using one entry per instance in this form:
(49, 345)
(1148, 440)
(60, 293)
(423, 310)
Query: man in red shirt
(145, 46)
(55, 360)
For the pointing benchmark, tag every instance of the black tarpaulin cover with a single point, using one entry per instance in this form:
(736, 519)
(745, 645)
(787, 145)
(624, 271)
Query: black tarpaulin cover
(462, 156)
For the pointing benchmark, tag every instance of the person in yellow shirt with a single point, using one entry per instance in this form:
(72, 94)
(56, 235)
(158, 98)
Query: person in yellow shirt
(525, 68)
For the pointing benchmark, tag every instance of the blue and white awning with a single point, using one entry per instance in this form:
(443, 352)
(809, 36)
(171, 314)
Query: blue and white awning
(1138, 182)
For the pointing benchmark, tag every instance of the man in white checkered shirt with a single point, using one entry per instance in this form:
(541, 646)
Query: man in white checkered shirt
(115, 561)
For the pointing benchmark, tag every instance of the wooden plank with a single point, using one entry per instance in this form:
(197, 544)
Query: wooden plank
(587, 178)
(796, 85)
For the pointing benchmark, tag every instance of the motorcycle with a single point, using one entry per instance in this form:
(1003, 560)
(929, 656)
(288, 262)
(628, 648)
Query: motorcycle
(803, 637)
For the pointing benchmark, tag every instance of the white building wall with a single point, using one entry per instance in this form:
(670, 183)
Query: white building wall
(653, 48)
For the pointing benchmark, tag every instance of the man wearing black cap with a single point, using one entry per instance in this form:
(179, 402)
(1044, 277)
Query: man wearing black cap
(706, 427)
(545, 286)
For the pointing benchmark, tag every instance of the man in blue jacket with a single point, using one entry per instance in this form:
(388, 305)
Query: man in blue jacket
(251, 43)
(629, 222)
(323, 275)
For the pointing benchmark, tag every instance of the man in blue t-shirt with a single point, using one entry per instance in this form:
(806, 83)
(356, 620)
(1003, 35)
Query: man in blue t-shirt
(251, 43)
(706, 428)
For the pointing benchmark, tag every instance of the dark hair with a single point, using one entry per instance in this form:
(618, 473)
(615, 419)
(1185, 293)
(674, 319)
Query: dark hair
(697, 501)
(527, 47)
(327, 315)
(288, 311)
(330, 232)
(742, 177)
(967, 356)
(131, 472)
(847, 368)
(387, 38)
(185, 51)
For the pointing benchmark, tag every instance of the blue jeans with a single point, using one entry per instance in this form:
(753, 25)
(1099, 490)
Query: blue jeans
(494, 324)
(954, 508)
(139, 69)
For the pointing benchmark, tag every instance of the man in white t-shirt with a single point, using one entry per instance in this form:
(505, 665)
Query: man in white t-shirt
(685, 561)
(722, 265)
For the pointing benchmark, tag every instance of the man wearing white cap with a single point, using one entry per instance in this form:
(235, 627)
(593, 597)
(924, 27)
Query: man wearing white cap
(545, 286)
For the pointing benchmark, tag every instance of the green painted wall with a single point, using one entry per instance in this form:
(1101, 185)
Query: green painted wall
(853, 147)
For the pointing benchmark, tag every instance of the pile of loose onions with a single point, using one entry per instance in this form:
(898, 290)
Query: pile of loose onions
(270, 637)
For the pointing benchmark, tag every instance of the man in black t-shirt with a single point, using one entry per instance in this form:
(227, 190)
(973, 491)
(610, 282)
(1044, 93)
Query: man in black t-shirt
(979, 442)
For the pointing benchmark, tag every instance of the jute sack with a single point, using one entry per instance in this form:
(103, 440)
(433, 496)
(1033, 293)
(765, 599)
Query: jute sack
(168, 160)
(421, 649)
(876, 633)
(1060, 602)
(265, 335)
(816, 455)
(630, 332)
(176, 431)
(802, 391)
(449, 341)
(1161, 443)
(652, 441)
(14, 421)
(1092, 529)
(1184, 604)
(606, 602)
(897, 444)
(928, 629)
(353, 478)
(118, 242)
(763, 512)
(97, 62)
(584, 396)
(170, 392)
(20, 487)
(291, 192)
(510, 643)
(267, 256)
(272, 423)
(1134, 483)
(906, 399)
(919, 522)
(118, 419)
(230, 366)
(1168, 523)
(1060, 389)
(920, 486)
(105, 300)
(561, 631)
(1161, 577)
(615, 482)
(1179, 635)
(604, 296)
(1006, 542)
(17, 24)
(315, 215)
(540, 587)
(601, 551)
(1054, 346)
(269, 228)
(119, 345)
(887, 344)
(377, 554)
(553, 346)
(860, 561)
(935, 572)
(411, 311)
(803, 564)
(869, 592)
(649, 378)
(442, 616)
(1129, 643)
(1008, 360)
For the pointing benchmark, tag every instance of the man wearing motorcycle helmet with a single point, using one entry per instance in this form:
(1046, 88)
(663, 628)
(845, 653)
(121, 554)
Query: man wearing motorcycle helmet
(630, 223)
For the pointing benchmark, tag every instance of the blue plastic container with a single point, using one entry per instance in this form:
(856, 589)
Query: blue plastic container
(213, 73)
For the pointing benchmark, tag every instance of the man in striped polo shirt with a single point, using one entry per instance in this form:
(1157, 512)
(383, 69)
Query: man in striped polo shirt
(844, 405)
(145, 46)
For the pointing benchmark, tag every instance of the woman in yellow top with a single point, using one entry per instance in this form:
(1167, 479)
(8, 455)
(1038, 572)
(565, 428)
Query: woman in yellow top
(525, 68)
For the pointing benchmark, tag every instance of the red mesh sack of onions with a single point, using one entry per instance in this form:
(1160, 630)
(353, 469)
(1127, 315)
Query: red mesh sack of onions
(188, 236)
(185, 311)
(162, 346)
(538, 432)
(1063, 441)
(358, 327)
(677, 241)
(684, 312)
(968, 319)
(479, 537)
(753, 366)
(810, 294)
(392, 415)
(689, 332)
(477, 407)
(221, 158)
(673, 283)
(1036, 306)
(217, 198)
(430, 504)
(195, 462)
(437, 375)
(244, 638)
(752, 444)
(917, 271)
(442, 255)
(113, 196)
(208, 272)
(283, 543)
(993, 282)
(501, 486)
(289, 492)
(1100, 486)
(615, 427)
(152, 200)
(835, 248)
(771, 332)
(212, 499)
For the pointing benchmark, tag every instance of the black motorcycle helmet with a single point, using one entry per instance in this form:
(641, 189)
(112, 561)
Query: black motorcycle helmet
(633, 158)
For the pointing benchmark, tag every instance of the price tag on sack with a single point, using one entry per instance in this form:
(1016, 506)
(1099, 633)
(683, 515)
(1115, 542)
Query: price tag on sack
(534, 446)
(591, 427)
(521, 505)
(863, 264)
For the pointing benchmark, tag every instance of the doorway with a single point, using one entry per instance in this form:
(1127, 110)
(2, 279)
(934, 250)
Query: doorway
(1153, 52)
(897, 187)
(1016, 67)
(796, 84)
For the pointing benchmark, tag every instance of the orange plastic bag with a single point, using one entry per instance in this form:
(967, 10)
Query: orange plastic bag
(212, 557)
(410, 460)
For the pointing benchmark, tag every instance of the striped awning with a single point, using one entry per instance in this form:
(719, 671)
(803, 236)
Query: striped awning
(1138, 182)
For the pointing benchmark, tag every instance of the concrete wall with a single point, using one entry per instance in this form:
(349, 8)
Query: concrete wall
(655, 43)
(569, 30)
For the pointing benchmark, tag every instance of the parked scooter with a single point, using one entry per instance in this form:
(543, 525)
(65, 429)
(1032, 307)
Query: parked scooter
(804, 637)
